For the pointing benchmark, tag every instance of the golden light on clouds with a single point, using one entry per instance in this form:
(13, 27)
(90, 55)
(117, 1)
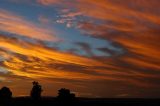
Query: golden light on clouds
(44, 56)
(18, 25)
(131, 26)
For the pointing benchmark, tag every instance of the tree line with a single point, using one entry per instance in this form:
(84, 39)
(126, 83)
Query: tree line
(64, 95)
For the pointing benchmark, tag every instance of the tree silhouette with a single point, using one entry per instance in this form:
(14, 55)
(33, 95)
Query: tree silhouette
(65, 96)
(5, 94)
(36, 91)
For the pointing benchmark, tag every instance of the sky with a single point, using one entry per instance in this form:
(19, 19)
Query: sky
(95, 48)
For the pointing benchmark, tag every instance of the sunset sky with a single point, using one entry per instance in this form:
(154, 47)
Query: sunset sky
(96, 48)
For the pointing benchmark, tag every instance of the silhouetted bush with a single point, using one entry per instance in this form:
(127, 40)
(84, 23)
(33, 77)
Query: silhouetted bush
(5, 94)
(65, 96)
(36, 91)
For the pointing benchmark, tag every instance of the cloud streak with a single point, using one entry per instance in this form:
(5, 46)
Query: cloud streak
(130, 25)
(36, 61)
(18, 25)
(30, 57)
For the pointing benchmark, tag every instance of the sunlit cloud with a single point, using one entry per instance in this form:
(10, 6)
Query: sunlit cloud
(132, 26)
(18, 25)
(3, 70)
(44, 19)
(47, 2)
(36, 61)
(2, 79)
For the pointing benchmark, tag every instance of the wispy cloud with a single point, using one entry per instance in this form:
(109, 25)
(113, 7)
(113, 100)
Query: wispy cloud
(15, 24)
(29, 57)
(36, 61)
(48, 2)
(131, 25)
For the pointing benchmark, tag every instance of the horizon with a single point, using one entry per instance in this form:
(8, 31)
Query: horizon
(95, 48)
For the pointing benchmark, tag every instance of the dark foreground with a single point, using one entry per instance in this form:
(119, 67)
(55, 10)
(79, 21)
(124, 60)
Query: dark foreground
(49, 101)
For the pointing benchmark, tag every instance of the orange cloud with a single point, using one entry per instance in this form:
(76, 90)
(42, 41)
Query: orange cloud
(132, 25)
(38, 62)
(44, 54)
(18, 25)
(44, 19)
(48, 2)
(32, 52)
(134, 30)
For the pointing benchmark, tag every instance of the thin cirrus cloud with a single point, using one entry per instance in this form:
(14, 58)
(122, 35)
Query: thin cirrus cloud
(18, 25)
(45, 53)
(129, 24)
(48, 2)
(36, 61)
(134, 30)
(132, 25)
